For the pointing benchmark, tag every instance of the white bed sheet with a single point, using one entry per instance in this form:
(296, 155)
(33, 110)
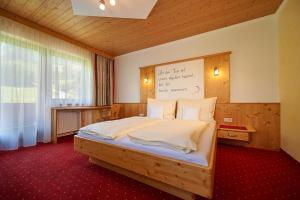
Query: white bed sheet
(201, 156)
(116, 128)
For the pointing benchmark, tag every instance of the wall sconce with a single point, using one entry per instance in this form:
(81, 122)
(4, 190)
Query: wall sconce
(147, 80)
(216, 71)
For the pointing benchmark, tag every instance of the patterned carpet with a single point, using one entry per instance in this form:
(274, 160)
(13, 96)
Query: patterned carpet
(51, 171)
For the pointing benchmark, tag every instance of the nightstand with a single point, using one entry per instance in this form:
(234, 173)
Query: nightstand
(241, 133)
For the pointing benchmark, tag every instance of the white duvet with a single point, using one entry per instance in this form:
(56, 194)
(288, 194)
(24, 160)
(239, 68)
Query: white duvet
(117, 128)
(180, 135)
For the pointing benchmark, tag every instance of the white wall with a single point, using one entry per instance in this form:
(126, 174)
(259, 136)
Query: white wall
(289, 70)
(254, 60)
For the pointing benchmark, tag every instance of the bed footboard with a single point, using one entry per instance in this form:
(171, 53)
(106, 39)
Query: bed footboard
(156, 184)
(181, 178)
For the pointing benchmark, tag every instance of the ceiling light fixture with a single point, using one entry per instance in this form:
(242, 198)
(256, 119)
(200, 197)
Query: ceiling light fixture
(112, 2)
(102, 5)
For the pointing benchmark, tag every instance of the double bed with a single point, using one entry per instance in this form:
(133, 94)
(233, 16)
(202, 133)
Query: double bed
(181, 172)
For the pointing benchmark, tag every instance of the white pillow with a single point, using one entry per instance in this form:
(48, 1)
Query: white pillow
(169, 107)
(155, 112)
(206, 106)
(190, 113)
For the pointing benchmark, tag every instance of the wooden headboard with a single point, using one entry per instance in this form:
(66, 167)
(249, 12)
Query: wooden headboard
(264, 117)
(214, 86)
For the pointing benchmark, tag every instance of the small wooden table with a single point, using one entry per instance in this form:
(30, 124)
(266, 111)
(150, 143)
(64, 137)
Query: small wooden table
(67, 120)
(241, 133)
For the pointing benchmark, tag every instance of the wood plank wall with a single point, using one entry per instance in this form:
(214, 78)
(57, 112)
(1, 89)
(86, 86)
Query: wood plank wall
(215, 86)
(132, 109)
(147, 90)
(264, 117)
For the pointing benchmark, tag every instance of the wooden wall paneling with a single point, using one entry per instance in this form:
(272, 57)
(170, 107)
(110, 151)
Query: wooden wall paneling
(217, 86)
(147, 90)
(86, 117)
(96, 116)
(132, 109)
(53, 125)
(264, 117)
(168, 21)
(100, 115)
(214, 86)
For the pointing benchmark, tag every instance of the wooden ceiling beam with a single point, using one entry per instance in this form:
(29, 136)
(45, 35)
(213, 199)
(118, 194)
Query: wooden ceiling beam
(41, 28)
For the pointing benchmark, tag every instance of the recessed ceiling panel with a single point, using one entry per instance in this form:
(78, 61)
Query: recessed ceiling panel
(136, 9)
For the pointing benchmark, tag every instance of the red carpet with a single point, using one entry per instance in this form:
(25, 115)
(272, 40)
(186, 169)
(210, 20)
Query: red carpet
(55, 172)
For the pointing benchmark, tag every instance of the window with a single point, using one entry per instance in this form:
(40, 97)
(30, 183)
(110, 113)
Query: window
(19, 71)
(25, 64)
(71, 80)
(37, 71)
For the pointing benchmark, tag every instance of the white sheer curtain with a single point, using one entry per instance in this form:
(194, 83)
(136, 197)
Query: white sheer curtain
(37, 71)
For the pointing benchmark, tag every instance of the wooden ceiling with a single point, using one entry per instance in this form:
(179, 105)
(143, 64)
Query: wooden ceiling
(169, 20)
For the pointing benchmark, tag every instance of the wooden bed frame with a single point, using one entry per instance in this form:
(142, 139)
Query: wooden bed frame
(179, 178)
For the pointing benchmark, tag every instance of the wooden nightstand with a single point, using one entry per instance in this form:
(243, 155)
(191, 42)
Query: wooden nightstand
(241, 133)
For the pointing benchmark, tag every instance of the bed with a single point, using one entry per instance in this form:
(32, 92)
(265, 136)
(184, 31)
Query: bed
(183, 175)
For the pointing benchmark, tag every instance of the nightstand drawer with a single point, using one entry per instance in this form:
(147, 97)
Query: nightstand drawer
(234, 135)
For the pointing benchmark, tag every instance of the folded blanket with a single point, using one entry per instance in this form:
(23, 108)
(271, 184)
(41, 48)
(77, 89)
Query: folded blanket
(117, 128)
(180, 135)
